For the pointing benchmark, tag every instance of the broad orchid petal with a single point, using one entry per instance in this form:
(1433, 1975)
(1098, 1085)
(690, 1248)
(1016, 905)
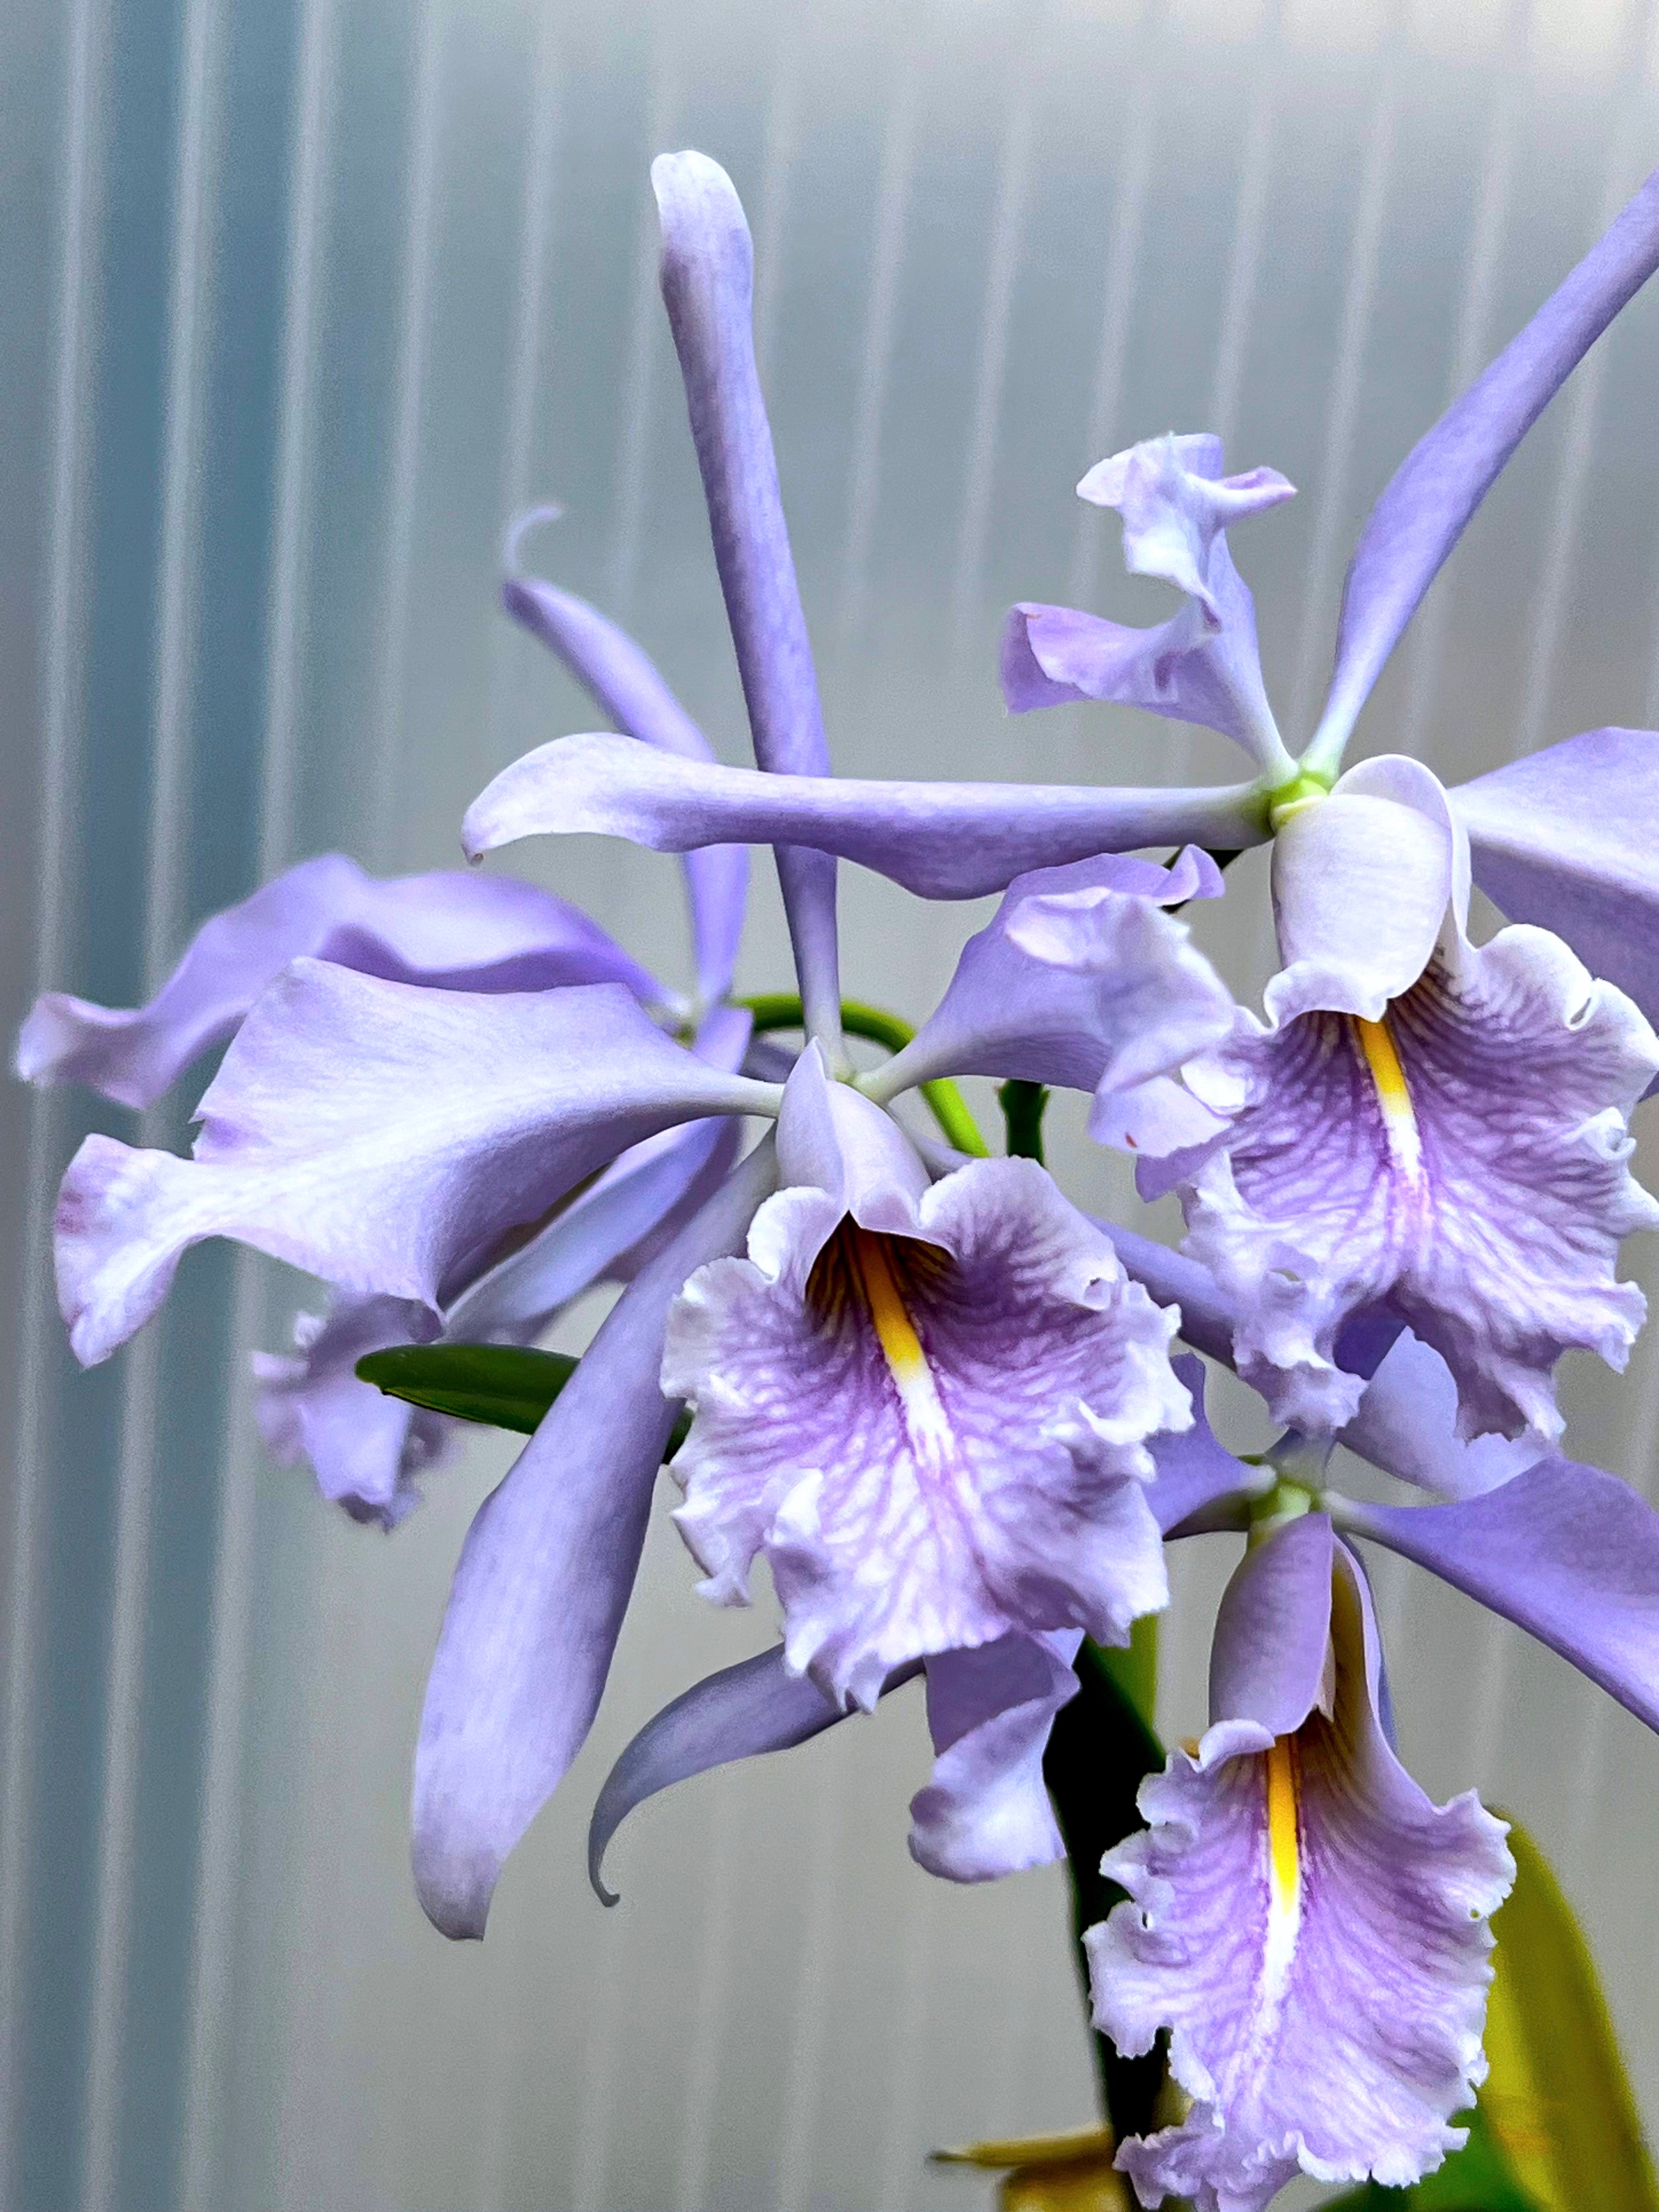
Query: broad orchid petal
(940, 840)
(463, 932)
(936, 1432)
(368, 1450)
(985, 1812)
(625, 681)
(543, 1580)
(1465, 1164)
(1568, 838)
(1309, 1928)
(383, 1136)
(1569, 1552)
(1077, 979)
(1202, 664)
(707, 281)
(1428, 499)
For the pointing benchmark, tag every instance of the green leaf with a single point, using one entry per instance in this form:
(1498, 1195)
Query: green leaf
(502, 1385)
(1557, 2098)
(1100, 1750)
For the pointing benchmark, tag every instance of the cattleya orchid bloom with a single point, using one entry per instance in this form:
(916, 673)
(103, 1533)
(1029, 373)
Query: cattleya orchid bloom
(444, 931)
(1309, 1929)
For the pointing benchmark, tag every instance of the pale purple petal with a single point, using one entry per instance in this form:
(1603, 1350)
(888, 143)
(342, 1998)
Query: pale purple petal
(543, 1580)
(1272, 1633)
(989, 1478)
(941, 840)
(1408, 1425)
(1324, 2002)
(1077, 979)
(464, 932)
(1201, 665)
(985, 1812)
(1481, 1191)
(1431, 496)
(707, 273)
(1568, 838)
(1362, 885)
(368, 1450)
(383, 1136)
(610, 1227)
(624, 680)
(1569, 1552)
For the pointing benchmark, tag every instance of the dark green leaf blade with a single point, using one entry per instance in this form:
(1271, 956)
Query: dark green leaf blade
(503, 1386)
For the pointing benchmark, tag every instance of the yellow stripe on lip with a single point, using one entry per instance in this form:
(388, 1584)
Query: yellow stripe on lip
(1283, 1854)
(907, 1363)
(1392, 1094)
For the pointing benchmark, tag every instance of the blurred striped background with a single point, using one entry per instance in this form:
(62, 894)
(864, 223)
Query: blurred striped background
(300, 301)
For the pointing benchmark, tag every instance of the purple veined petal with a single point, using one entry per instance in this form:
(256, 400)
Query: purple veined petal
(708, 270)
(368, 1451)
(625, 681)
(462, 931)
(1077, 979)
(1202, 664)
(1570, 1553)
(743, 1713)
(1568, 838)
(1308, 1926)
(1467, 1164)
(1197, 1481)
(934, 1430)
(543, 1580)
(985, 1812)
(382, 1136)
(1428, 499)
(940, 839)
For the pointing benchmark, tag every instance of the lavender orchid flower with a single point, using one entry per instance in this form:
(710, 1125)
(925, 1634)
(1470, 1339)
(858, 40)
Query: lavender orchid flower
(453, 931)
(1309, 1929)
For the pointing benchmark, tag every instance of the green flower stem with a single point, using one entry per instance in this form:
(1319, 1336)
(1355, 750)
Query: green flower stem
(1100, 1750)
(1022, 1107)
(782, 1010)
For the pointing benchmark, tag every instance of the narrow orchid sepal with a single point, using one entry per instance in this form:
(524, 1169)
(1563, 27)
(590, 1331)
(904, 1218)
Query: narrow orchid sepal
(707, 279)
(940, 839)
(544, 1579)
(1567, 1552)
(1428, 499)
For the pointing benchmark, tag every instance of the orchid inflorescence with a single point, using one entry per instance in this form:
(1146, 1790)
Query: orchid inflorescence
(943, 1403)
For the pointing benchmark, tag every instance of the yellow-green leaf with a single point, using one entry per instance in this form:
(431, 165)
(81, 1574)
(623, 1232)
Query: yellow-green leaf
(1557, 2098)
(1071, 2172)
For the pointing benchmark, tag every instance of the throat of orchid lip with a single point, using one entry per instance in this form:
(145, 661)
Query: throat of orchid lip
(874, 1272)
(1284, 1847)
(1393, 1096)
